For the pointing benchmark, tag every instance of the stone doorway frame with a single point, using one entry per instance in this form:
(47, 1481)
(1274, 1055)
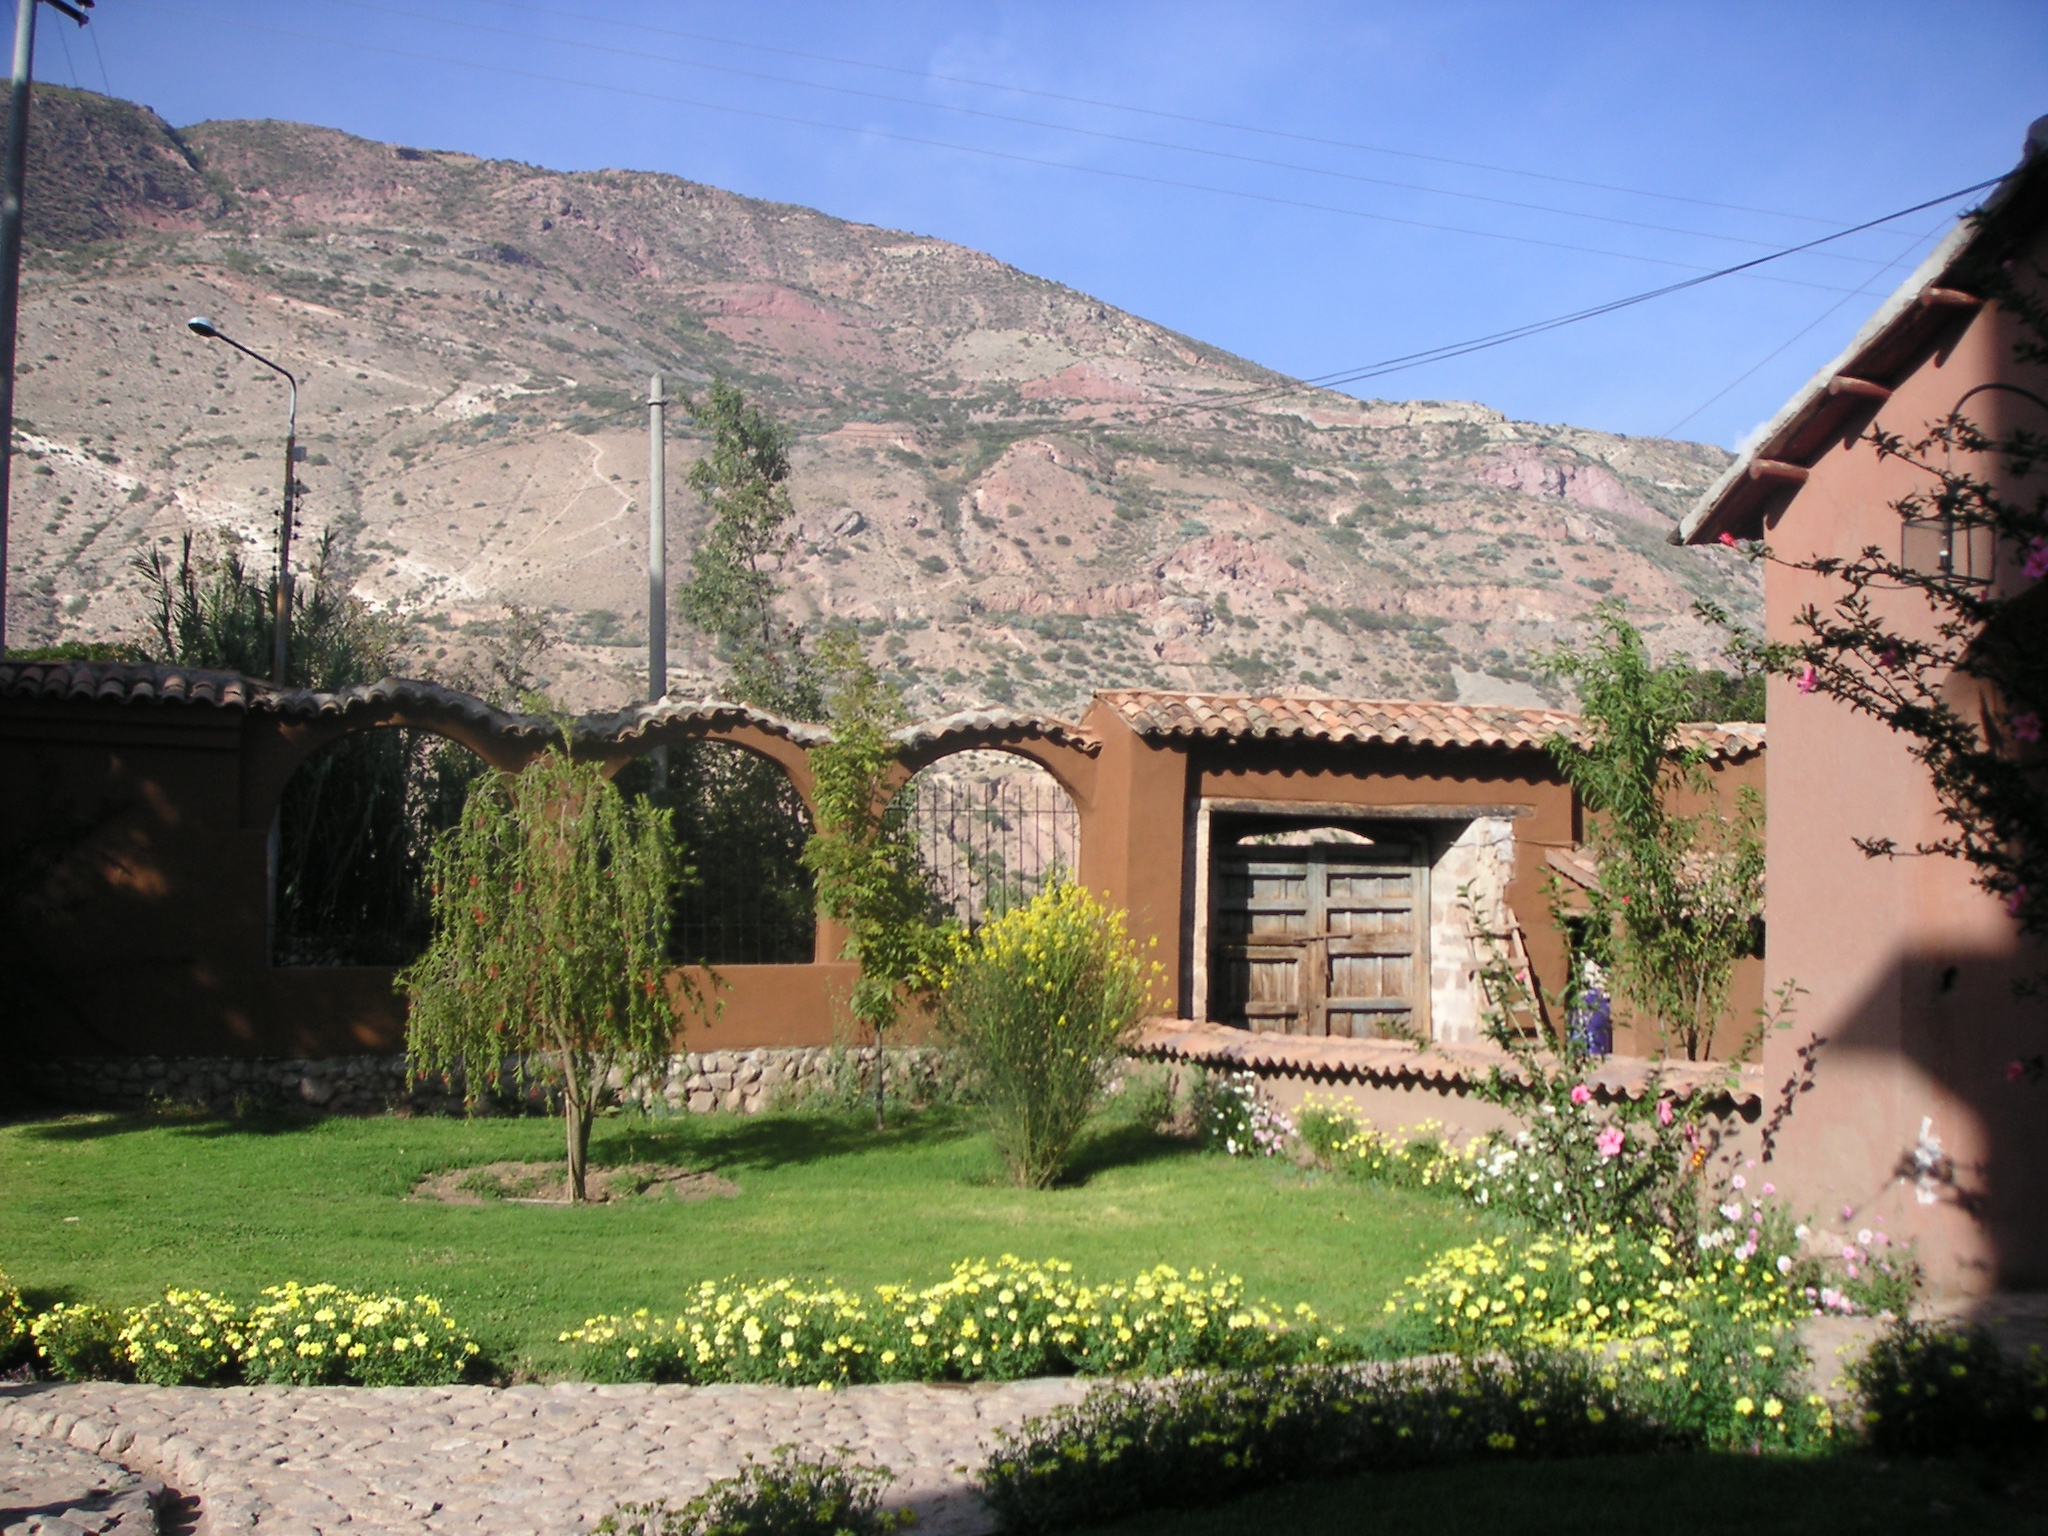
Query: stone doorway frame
(1198, 911)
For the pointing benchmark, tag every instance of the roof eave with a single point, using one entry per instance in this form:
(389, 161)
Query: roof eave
(1886, 348)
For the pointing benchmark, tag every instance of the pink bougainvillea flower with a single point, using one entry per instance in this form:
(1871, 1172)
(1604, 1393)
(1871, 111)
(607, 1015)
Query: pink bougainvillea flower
(1890, 656)
(1581, 1094)
(2016, 903)
(2035, 566)
(2025, 726)
(1663, 1111)
(1809, 679)
(1728, 539)
(1611, 1141)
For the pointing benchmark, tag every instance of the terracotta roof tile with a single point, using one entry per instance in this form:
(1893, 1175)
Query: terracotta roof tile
(1392, 721)
(1396, 1062)
(143, 683)
(995, 722)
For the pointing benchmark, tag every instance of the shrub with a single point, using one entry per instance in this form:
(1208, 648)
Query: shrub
(1586, 1290)
(1194, 1441)
(189, 1339)
(790, 1494)
(81, 1342)
(1231, 1117)
(321, 1334)
(998, 1321)
(1039, 1000)
(1933, 1391)
(14, 1323)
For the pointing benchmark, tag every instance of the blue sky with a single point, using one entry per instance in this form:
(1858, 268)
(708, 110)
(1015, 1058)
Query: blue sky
(1470, 167)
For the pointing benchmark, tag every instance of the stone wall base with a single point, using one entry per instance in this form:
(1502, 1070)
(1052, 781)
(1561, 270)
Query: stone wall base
(742, 1082)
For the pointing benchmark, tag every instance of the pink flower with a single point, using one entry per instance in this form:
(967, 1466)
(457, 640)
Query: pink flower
(1728, 539)
(1809, 679)
(1770, 1189)
(1581, 1094)
(2016, 903)
(1663, 1111)
(1890, 656)
(2015, 1070)
(1739, 1182)
(2036, 564)
(1611, 1141)
(1848, 1211)
(2025, 726)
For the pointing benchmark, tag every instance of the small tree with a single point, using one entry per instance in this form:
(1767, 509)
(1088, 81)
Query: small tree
(862, 856)
(551, 903)
(731, 592)
(1678, 897)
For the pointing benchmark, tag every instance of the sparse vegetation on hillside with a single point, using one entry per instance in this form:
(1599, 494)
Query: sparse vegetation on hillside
(968, 449)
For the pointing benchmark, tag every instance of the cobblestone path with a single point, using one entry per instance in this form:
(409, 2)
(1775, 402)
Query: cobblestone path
(523, 1461)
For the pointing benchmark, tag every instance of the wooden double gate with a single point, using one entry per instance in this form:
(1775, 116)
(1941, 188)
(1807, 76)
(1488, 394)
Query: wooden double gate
(1322, 938)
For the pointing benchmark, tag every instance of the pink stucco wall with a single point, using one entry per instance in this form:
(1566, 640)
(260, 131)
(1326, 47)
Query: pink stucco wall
(1909, 1015)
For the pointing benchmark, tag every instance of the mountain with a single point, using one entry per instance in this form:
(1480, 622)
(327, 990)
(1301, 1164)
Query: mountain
(1018, 492)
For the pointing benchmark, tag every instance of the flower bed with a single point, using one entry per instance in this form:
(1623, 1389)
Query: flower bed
(303, 1335)
(997, 1321)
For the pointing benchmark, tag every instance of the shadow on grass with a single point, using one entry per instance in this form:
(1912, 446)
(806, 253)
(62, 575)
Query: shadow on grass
(1125, 1145)
(774, 1140)
(96, 1125)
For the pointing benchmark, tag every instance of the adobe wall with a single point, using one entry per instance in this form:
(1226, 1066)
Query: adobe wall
(1894, 1073)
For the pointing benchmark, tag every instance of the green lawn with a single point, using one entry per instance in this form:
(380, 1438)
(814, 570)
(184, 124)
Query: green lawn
(113, 1209)
(1624, 1495)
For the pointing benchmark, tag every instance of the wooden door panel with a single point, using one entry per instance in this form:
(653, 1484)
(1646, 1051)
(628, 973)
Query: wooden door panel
(1331, 940)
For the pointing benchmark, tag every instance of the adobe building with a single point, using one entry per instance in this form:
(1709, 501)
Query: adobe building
(1298, 862)
(1900, 1062)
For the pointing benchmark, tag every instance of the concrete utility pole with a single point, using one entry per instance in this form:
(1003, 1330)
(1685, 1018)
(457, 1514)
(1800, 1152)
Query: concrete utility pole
(13, 180)
(657, 545)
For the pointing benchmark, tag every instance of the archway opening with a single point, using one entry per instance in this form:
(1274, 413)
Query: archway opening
(991, 828)
(740, 828)
(354, 829)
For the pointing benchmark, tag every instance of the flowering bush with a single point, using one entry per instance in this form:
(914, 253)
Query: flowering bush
(80, 1342)
(1194, 1441)
(1930, 1391)
(986, 1321)
(13, 1318)
(790, 1494)
(302, 1335)
(1415, 1157)
(189, 1339)
(319, 1334)
(1230, 1115)
(1038, 999)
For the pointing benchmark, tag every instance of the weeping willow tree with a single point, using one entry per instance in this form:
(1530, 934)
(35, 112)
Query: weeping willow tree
(551, 901)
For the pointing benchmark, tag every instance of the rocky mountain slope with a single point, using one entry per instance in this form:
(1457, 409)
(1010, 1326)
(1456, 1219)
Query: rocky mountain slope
(1019, 493)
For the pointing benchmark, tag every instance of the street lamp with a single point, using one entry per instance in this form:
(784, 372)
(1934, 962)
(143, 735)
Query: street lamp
(281, 615)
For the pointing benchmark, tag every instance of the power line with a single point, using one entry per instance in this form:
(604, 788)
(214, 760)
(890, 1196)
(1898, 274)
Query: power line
(1768, 357)
(1269, 199)
(1153, 112)
(1408, 360)
(1262, 162)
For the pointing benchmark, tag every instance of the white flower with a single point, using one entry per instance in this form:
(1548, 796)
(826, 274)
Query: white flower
(1784, 1264)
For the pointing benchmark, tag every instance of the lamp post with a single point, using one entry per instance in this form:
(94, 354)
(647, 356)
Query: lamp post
(281, 602)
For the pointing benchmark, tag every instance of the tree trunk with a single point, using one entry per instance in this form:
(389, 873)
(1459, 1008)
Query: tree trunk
(576, 1118)
(881, 1083)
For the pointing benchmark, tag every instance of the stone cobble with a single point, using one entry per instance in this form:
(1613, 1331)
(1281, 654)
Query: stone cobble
(53, 1488)
(305, 1461)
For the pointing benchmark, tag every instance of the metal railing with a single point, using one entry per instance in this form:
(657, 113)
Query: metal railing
(991, 829)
